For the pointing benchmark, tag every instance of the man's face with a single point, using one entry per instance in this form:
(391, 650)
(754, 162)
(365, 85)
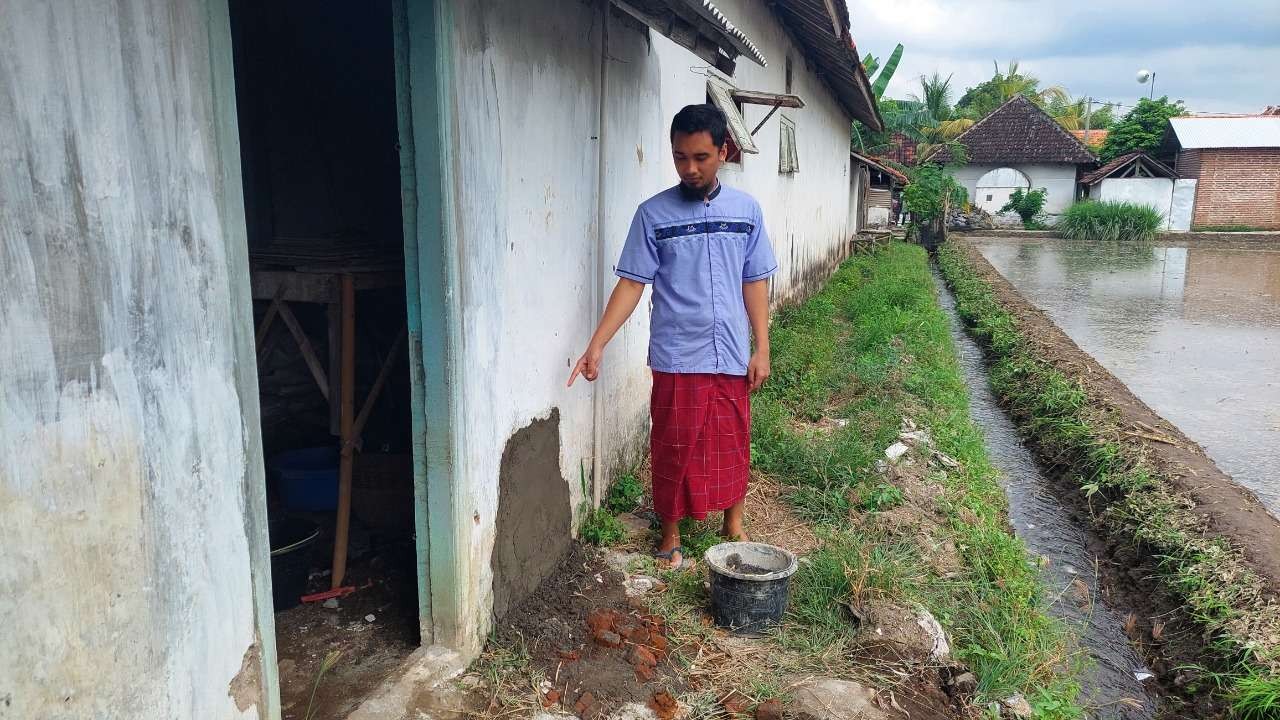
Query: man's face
(697, 159)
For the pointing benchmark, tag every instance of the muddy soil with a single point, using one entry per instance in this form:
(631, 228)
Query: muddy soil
(1156, 625)
(595, 646)
(370, 650)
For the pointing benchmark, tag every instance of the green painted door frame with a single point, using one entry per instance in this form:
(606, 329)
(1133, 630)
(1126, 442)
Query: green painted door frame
(424, 101)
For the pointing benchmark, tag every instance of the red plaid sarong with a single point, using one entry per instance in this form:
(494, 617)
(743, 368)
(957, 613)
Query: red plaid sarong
(700, 442)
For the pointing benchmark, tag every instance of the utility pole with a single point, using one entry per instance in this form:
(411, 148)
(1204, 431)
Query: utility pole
(1088, 110)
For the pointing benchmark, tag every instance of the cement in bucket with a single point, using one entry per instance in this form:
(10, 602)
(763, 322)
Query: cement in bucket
(750, 585)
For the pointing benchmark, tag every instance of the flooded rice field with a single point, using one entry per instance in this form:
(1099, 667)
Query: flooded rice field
(1115, 686)
(1193, 330)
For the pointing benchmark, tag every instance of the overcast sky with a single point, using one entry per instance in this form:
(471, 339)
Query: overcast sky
(1216, 55)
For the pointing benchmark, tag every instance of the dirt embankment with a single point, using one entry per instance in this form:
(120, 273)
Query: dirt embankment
(1228, 510)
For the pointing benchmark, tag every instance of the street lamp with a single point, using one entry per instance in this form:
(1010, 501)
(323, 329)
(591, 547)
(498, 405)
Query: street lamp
(1143, 76)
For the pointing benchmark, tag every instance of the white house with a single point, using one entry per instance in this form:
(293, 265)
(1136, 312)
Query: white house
(1137, 178)
(513, 141)
(1018, 146)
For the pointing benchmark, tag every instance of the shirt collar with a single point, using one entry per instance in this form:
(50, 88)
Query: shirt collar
(695, 196)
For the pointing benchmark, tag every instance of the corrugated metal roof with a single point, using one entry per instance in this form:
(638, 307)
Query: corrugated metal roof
(1226, 132)
(815, 23)
(881, 165)
(708, 10)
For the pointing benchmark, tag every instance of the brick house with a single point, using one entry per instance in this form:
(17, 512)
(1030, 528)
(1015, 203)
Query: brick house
(1236, 163)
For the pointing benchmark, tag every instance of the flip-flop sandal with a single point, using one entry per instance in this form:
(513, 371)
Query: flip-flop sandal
(669, 556)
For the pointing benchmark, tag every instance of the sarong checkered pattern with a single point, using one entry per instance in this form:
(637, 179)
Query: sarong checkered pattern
(700, 442)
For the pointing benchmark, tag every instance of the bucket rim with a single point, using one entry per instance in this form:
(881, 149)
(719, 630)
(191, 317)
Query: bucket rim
(715, 552)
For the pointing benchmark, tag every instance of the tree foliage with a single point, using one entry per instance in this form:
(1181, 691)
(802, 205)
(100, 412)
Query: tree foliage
(1071, 113)
(979, 100)
(929, 193)
(870, 63)
(1027, 204)
(1141, 129)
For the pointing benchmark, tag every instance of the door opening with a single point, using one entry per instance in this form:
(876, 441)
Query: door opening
(317, 106)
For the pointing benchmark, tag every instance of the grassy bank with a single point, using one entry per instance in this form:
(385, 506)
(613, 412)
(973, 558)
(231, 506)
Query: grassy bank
(869, 350)
(874, 347)
(1132, 500)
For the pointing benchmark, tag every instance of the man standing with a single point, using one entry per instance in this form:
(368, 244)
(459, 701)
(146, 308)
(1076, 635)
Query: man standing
(704, 248)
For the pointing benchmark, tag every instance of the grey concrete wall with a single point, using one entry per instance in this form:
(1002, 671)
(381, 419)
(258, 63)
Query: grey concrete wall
(130, 482)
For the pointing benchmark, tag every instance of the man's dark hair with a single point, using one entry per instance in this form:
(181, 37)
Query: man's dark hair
(701, 118)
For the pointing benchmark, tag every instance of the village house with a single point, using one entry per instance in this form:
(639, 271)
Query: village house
(1138, 178)
(376, 232)
(1235, 161)
(1018, 146)
(878, 185)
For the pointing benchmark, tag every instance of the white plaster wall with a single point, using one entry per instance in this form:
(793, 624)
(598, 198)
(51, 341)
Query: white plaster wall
(131, 493)
(527, 186)
(525, 179)
(1153, 192)
(1183, 205)
(1059, 179)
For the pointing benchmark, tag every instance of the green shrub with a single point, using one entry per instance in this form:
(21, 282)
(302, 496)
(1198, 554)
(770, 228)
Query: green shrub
(1110, 221)
(601, 528)
(1028, 205)
(929, 191)
(624, 495)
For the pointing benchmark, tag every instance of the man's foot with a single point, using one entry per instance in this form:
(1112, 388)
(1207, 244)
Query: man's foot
(672, 559)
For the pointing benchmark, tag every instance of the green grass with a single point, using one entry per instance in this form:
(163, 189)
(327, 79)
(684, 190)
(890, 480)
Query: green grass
(1226, 228)
(873, 347)
(625, 494)
(1107, 221)
(1134, 502)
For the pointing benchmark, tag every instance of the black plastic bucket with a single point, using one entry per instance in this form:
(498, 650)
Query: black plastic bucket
(750, 585)
(291, 541)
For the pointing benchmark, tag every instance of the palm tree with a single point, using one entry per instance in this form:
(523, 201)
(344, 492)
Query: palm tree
(935, 95)
(936, 122)
(1011, 82)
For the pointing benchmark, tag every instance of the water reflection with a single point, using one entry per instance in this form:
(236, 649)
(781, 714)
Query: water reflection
(1193, 331)
(1044, 524)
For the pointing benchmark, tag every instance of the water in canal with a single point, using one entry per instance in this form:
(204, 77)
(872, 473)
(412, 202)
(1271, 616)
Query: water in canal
(1112, 689)
(1193, 330)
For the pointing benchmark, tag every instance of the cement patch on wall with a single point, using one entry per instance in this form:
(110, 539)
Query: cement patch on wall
(534, 525)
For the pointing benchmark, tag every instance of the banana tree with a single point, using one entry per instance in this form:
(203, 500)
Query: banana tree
(871, 63)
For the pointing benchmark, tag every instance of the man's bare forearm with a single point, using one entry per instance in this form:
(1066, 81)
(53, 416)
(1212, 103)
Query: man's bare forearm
(622, 302)
(755, 295)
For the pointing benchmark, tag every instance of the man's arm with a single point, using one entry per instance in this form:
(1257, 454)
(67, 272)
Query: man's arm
(755, 295)
(622, 301)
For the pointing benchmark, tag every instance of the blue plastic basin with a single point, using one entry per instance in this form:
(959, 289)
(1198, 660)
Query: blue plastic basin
(307, 479)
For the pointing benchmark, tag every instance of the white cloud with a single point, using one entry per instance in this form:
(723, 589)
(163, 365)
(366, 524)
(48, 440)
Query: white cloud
(1216, 56)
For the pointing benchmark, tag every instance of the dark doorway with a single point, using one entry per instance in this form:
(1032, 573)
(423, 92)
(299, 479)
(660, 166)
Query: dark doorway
(316, 98)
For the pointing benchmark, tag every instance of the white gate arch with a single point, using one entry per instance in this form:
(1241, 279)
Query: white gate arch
(995, 187)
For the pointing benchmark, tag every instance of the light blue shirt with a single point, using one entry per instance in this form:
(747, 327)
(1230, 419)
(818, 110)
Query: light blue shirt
(697, 254)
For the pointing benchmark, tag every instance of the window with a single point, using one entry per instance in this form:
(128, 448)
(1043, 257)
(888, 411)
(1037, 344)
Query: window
(788, 76)
(720, 94)
(788, 160)
(988, 198)
(734, 153)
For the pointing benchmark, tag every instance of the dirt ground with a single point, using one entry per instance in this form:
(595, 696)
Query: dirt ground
(597, 650)
(369, 650)
(1163, 634)
(563, 628)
